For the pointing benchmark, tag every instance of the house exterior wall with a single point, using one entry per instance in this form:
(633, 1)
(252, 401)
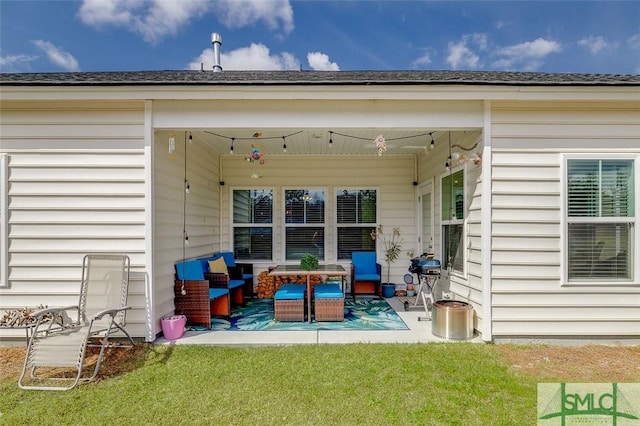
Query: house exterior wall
(529, 296)
(75, 183)
(466, 286)
(392, 177)
(199, 208)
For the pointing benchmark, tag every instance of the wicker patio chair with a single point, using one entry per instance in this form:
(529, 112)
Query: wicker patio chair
(56, 351)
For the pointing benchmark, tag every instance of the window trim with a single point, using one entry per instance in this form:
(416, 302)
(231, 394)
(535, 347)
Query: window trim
(337, 224)
(564, 233)
(284, 225)
(271, 225)
(459, 273)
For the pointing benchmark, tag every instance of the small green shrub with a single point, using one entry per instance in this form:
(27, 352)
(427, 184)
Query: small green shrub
(309, 262)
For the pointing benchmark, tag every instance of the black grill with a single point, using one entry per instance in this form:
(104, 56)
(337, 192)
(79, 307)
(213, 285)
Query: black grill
(424, 266)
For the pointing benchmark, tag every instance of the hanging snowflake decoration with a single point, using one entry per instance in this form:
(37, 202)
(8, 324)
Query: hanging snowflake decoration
(381, 145)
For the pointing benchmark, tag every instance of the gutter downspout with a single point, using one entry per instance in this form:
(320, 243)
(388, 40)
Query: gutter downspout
(487, 214)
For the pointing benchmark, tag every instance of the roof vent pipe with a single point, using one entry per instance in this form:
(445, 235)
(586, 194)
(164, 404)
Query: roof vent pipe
(216, 40)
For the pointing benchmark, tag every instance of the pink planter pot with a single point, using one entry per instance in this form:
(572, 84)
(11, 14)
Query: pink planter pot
(173, 326)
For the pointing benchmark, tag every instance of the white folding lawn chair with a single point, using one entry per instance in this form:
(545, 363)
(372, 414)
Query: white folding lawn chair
(56, 348)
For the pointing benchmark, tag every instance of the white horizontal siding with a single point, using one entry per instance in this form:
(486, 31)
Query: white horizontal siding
(431, 165)
(528, 296)
(76, 184)
(202, 218)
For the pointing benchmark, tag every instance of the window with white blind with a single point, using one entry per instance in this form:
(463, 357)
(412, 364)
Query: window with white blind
(356, 217)
(253, 224)
(304, 223)
(600, 220)
(452, 202)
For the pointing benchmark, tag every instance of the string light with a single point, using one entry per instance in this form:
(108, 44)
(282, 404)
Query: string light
(187, 186)
(433, 143)
(284, 145)
(190, 138)
(231, 148)
(330, 139)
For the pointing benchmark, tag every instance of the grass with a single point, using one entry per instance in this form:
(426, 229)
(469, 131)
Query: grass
(356, 384)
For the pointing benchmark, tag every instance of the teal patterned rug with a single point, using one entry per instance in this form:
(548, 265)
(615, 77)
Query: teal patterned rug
(363, 314)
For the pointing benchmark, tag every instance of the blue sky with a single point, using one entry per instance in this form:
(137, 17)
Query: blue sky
(134, 35)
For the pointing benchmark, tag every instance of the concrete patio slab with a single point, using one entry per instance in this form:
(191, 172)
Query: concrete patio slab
(419, 332)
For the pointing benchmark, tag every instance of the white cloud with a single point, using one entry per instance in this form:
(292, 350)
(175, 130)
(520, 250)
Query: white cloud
(461, 54)
(58, 56)
(13, 63)
(242, 13)
(425, 59)
(157, 19)
(254, 57)
(320, 62)
(634, 41)
(153, 20)
(528, 55)
(596, 44)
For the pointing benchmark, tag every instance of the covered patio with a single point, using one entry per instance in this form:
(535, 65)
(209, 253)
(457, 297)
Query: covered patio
(419, 331)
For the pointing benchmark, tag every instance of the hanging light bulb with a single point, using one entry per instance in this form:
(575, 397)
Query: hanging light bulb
(433, 143)
(284, 145)
(330, 139)
(447, 165)
(186, 238)
(187, 186)
(231, 148)
(190, 138)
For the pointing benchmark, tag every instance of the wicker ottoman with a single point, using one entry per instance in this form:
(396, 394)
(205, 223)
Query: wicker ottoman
(329, 302)
(288, 303)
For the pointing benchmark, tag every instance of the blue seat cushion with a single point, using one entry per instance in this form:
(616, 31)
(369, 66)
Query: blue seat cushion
(214, 293)
(364, 262)
(367, 277)
(328, 291)
(247, 276)
(228, 257)
(236, 283)
(189, 270)
(290, 292)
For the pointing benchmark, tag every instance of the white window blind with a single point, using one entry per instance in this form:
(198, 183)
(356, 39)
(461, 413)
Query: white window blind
(304, 223)
(600, 219)
(253, 224)
(356, 216)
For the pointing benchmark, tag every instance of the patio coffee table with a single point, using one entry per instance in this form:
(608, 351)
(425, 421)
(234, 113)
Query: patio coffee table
(281, 270)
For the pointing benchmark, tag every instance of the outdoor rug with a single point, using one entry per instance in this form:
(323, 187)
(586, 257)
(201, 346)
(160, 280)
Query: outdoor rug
(363, 314)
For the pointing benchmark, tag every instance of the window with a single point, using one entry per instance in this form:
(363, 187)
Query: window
(356, 219)
(304, 223)
(600, 220)
(453, 221)
(253, 224)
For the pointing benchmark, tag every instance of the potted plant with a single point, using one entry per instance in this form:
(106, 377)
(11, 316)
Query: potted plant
(309, 262)
(391, 245)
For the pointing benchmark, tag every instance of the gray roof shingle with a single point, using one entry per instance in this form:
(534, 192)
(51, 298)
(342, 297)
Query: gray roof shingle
(188, 78)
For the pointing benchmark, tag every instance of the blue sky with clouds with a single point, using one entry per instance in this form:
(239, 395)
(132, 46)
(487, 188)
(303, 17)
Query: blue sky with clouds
(132, 35)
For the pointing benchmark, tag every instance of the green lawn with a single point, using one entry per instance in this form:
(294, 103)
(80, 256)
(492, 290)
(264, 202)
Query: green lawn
(367, 384)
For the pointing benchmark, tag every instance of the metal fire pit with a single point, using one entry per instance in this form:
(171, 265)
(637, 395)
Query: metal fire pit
(452, 319)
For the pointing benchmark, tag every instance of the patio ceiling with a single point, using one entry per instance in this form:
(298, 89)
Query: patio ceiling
(360, 142)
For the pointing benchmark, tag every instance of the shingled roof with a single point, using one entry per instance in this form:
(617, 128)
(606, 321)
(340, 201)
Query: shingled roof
(188, 78)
